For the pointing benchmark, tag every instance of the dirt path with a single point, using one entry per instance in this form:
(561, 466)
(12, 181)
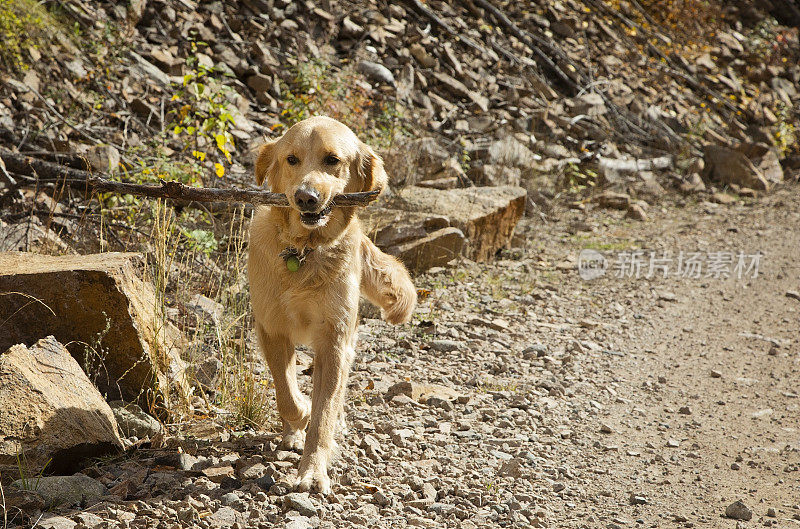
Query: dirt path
(698, 404)
(617, 402)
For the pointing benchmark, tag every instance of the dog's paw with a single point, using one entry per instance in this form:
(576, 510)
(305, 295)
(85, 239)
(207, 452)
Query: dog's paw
(313, 478)
(293, 439)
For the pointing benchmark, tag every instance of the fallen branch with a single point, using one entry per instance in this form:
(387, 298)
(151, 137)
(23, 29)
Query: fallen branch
(78, 179)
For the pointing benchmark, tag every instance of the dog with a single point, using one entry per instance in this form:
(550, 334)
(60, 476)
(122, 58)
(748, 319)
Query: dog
(308, 265)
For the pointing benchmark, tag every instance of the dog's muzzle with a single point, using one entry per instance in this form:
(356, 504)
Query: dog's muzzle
(315, 219)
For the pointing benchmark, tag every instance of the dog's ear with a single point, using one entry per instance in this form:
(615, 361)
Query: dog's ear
(266, 155)
(371, 174)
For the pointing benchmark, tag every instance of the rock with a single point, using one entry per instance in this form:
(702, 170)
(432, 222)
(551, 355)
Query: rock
(31, 79)
(24, 500)
(450, 182)
(99, 307)
(457, 87)
(794, 294)
(76, 68)
(259, 82)
(207, 374)
(421, 392)
(590, 104)
(49, 521)
(726, 199)
(148, 70)
(52, 414)
(298, 523)
(495, 175)
(610, 199)
(685, 410)
(425, 59)
(766, 160)
(146, 112)
(444, 346)
(487, 216)
(133, 421)
(415, 160)
(435, 249)
(729, 166)
(66, 491)
(512, 153)
(420, 240)
(636, 212)
(300, 502)
(206, 307)
(265, 482)
(30, 235)
(103, 158)
(224, 517)
(638, 499)
(738, 511)
(449, 169)
(165, 60)
(377, 73)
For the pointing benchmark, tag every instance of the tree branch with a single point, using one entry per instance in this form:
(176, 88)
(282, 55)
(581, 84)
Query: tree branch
(83, 180)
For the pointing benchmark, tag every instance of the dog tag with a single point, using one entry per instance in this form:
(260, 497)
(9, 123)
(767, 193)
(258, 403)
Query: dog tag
(293, 263)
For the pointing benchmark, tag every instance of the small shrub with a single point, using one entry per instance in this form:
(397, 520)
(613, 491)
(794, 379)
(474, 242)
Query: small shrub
(23, 24)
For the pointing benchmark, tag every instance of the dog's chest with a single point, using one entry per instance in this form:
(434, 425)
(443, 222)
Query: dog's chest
(317, 299)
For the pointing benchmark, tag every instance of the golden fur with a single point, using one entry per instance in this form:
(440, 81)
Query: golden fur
(317, 305)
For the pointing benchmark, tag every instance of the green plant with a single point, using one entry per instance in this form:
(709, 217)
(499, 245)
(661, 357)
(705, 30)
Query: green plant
(785, 135)
(464, 157)
(24, 471)
(575, 180)
(23, 24)
(203, 115)
(200, 240)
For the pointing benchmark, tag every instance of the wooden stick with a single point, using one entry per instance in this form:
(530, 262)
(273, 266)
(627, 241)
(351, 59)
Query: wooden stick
(78, 179)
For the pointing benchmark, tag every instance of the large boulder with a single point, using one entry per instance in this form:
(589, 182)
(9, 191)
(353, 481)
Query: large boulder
(433, 249)
(487, 216)
(420, 240)
(50, 411)
(98, 306)
(733, 166)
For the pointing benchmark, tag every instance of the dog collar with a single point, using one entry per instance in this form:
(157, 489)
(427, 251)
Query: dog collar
(294, 258)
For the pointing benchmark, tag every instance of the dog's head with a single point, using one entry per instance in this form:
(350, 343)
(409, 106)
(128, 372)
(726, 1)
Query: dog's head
(314, 161)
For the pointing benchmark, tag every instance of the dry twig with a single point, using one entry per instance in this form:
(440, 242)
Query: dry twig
(77, 179)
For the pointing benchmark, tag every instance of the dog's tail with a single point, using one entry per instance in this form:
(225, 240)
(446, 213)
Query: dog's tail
(386, 283)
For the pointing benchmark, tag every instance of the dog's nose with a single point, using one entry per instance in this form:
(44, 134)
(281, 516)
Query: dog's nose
(306, 199)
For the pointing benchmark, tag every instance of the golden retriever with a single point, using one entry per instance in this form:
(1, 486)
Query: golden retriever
(308, 265)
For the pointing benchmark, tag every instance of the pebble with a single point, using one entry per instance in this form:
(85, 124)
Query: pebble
(738, 511)
(300, 502)
(444, 346)
(638, 499)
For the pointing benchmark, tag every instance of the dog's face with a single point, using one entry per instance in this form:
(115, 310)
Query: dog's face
(314, 161)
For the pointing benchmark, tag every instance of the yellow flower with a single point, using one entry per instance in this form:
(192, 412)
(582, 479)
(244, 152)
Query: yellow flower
(199, 155)
(219, 169)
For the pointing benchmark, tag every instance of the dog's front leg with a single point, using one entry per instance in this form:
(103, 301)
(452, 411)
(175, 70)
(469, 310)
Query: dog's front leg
(292, 405)
(331, 368)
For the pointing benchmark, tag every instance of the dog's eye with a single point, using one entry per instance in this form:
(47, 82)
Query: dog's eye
(292, 159)
(331, 160)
